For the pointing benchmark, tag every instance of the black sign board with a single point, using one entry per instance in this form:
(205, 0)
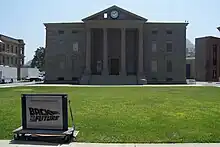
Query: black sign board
(45, 112)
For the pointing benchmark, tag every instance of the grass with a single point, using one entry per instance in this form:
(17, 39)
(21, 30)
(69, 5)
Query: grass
(138, 115)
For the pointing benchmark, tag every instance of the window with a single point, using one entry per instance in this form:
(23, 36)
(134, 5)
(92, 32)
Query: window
(214, 74)
(74, 32)
(16, 49)
(12, 48)
(12, 60)
(214, 62)
(61, 41)
(7, 50)
(154, 32)
(214, 47)
(16, 61)
(3, 47)
(75, 47)
(105, 15)
(0, 47)
(3, 59)
(21, 50)
(154, 79)
(154, 66)
(215, 54)
(61, 32)
(61, 65)
(169, 46)
(169, 32)
(169, 66)
(154, 46)
(169, 79)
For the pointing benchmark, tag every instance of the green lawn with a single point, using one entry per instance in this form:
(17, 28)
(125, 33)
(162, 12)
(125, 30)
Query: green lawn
(141, 114)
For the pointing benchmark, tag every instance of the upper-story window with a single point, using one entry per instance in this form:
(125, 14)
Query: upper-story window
(169, 32)
(154, 46)
(169, 46)
(3, 47)
(7, 60)
(7, 46)
(16, 61)
(61, 32)
(215, 54)
(16, 50)
(105, 15)
(74, 31)
(154, 31)
(12, 47)
(75, 46)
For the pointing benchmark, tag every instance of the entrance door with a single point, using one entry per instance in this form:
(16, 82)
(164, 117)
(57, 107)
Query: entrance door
(114, 66)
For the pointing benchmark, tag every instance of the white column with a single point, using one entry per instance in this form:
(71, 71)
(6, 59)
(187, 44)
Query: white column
(123, 52)
(105, 52)
(88, 51)
(140, 51)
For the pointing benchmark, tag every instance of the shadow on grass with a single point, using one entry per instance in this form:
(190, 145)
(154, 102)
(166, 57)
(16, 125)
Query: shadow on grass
(37, 142)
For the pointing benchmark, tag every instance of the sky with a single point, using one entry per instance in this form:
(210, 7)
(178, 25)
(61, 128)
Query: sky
(24, 18)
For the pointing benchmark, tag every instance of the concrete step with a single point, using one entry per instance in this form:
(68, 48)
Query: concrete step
(85, 79)
(113, 80)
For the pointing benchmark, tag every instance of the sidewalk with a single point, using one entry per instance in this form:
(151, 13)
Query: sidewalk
(6, 143)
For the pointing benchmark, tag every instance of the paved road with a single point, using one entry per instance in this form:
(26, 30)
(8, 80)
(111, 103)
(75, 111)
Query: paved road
(183, 85)
(17, 84)
(6, 143)
(68, 85)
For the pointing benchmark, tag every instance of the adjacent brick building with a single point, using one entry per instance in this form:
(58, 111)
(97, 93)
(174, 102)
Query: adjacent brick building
(207, 58)
(12, 52)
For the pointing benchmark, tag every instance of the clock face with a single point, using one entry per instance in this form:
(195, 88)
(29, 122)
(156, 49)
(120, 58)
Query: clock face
(114, 14)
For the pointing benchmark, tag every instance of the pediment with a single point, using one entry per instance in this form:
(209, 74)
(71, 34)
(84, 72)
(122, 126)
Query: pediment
(114, 13)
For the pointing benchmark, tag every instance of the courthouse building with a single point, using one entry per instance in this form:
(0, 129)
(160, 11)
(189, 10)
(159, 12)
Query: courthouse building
(115, 46)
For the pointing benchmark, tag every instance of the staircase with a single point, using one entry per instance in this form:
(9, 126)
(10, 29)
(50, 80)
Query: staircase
(141, 80)
(85, 79)
(113, 80)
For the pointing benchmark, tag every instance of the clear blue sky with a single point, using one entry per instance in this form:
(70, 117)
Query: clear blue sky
(24, 18)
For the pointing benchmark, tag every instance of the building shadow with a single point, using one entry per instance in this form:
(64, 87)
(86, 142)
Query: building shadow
(42, 143)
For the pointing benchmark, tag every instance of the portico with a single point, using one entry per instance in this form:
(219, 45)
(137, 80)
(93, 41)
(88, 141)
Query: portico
(108, 60)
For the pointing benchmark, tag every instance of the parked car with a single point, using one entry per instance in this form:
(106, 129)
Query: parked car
(33, 78)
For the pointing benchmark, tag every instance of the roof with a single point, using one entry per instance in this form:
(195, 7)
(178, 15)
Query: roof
(4, 37)
(63, 23)
(208, 37)
(114, 7)
(168, 22)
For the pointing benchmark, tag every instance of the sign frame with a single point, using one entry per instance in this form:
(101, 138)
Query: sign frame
(64, 111)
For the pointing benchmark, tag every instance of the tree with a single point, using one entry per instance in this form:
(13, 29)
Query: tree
(38, 60)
